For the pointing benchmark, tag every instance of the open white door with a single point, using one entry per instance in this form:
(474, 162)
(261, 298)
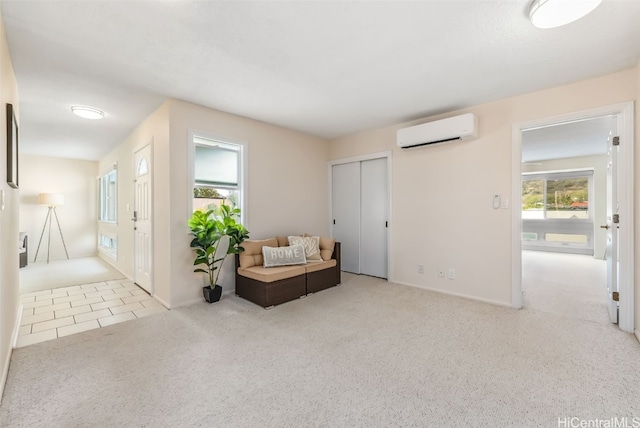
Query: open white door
(142, 214)
(613, 263)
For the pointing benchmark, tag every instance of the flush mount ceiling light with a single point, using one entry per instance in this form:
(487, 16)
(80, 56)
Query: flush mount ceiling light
(555, 13)
(87, 112)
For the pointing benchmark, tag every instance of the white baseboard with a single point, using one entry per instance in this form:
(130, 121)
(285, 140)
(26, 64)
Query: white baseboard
(7, 359)
(110, 261)
(198, 300)
(16, 328)
(451, 293)
(5, 373)
(165, 304)
(188, 303)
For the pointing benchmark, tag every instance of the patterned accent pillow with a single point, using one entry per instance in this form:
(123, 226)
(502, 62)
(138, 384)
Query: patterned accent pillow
(283, 256)
(311, 246)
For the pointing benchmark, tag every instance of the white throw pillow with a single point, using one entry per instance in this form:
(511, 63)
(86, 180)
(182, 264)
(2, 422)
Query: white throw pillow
(283, 256)
(311, 246)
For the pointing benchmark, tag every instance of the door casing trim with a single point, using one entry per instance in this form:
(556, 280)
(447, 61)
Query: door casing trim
(625, 115)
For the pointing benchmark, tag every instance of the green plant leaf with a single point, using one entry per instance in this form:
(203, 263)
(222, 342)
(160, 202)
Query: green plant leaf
(208, 228)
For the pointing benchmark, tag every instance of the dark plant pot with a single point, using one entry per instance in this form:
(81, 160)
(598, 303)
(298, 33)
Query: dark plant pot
(212, 294)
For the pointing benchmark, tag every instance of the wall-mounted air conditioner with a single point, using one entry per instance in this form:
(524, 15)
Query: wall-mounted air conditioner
(463, 127)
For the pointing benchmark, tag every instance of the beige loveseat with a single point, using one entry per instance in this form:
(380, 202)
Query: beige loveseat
(269, 286)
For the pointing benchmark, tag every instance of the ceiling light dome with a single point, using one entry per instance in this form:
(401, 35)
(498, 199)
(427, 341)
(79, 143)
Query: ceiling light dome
(87, 112)
(555, 13)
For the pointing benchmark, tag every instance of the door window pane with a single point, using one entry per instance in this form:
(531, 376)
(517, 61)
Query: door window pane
(143, 168)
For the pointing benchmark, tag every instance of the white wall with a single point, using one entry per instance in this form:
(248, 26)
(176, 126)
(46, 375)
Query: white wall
(597, 201)
(286, 191)
(154, 129)
(9, 277)
(442, 213)
(76, 179)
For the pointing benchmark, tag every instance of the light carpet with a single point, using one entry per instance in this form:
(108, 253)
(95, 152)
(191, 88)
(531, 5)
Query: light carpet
(364, 354)
(569, 285)
(63, 273)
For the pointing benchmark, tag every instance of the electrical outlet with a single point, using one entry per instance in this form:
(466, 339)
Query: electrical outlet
(452, 273)
(420, 269)
(440, 272)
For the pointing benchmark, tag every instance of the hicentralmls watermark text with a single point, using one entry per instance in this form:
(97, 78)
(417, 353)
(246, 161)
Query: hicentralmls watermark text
(616, 422)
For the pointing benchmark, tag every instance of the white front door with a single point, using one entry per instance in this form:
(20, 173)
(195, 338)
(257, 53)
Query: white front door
(613, 261)
(142, 216)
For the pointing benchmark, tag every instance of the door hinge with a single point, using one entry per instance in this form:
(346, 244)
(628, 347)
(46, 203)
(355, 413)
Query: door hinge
(386, 224)
(334, 221)
(615, 296)
(615, 141)
(616, 218)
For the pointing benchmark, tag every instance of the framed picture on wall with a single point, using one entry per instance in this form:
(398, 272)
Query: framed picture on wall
(12, 147)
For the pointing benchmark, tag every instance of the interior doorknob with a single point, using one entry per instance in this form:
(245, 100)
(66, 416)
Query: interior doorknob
(606, 226)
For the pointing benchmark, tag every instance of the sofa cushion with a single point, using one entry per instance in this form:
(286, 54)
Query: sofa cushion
(327, 246)
(311, 246)
(271, 274)
(283, 241)
(314, 267)
(283, 256)
(252, 254)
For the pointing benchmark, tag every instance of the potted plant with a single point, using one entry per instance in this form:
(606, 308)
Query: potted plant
(209, 229)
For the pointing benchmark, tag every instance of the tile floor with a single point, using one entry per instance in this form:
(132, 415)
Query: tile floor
(59, 312)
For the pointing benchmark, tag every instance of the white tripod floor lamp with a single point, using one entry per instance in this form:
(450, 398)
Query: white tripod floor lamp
(52, 200)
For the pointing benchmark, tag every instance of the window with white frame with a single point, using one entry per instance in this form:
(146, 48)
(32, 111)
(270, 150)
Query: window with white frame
(108, 244)
(557, 211)
(217, 173)
(107, 197)
(562, 195)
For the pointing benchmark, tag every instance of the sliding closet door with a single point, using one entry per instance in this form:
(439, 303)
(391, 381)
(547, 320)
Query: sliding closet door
(373, 219)
(346, 213)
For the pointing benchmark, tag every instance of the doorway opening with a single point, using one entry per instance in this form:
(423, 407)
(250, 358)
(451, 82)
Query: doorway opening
(562, 175)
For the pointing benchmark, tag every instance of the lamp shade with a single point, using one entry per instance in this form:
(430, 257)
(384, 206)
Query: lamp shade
(50, 199)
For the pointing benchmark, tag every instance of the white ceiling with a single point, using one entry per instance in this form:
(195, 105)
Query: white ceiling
(327, 68)
(566, 140)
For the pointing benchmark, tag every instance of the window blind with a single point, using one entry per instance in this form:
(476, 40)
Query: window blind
(216, 166)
